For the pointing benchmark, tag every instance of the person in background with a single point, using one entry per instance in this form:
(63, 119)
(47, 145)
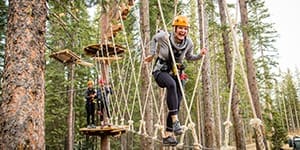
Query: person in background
(103, 93)
(90, 94)
(164, 73)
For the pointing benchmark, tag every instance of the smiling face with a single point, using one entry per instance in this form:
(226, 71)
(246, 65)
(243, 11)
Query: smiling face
(180, 32)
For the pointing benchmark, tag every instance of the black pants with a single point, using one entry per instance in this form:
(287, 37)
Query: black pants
(90, 112)
(174, 95)
(101, 109)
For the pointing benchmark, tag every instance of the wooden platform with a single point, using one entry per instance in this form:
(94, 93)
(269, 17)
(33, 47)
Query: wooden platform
(65, 56)
(105, 131)
(107, 50)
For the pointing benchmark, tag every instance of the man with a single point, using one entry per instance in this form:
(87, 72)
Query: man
(103, 102)
(90, 94)
(164, 73)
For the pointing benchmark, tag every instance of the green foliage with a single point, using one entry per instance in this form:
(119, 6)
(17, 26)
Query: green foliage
(68, 28)
(156, 22)
(263, 37)
(279, 133)
(291, 101)
(76, 33)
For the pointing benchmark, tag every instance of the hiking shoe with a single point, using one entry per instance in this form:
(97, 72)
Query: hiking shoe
(177, 128)
(170, 141)
(89, 127)
(93, 126)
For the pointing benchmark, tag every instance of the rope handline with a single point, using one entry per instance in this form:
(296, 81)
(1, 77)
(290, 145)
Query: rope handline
(159, 123)
(134, 75)
(256, 122)
(116, 104)
(178, 78)
(198, 77)
(106, 70)
(119, 75)
(175, 8)
(150, 89)
(228, 123)
(173, 61)
(130, 55)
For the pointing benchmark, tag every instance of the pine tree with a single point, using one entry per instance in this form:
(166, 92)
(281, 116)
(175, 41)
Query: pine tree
(22, 109)
(279, 133)
(263, 37)
(291, 101)
(68, 28)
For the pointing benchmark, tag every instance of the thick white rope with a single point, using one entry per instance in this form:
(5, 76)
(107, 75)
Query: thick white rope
(228, 123)
(255, 122)
(178, 78)
(122, 85)
(136, 81)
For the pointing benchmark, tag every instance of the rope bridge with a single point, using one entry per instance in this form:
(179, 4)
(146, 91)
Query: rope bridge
(125, 79)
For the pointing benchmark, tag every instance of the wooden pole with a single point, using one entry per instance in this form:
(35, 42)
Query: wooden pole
(70, 115)
(105, 142)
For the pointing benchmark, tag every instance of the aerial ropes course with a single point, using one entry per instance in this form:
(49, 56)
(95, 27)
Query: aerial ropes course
(124, 100)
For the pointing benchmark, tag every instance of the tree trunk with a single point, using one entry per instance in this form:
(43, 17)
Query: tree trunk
(238, 123)
(70, 115)
(145, 33)
(22, 107)
(216, 93)
(207, 86)
(249, 59)
(251, 73)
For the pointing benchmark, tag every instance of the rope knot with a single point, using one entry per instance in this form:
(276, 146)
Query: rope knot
(180, 145)
(197, 145)
(116, 120)
(256, 122)
(142, 122)
(130, 122)
(131, 128)
(191, 125)
(227, 124)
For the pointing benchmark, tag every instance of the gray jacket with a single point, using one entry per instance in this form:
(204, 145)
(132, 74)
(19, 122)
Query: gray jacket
(159, 46)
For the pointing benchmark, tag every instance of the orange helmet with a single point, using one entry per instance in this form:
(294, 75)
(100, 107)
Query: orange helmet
(181, 21)
(90, 83)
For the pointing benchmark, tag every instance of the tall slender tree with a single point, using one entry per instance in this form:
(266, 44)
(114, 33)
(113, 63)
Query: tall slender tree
(22, 108)
(68, 27)
(206, 80)
(235, 101)
(263, 35)
(251, 71)
(291, 101)
(145, 33)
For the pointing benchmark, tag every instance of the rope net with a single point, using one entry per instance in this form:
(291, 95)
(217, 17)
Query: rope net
(126, 79)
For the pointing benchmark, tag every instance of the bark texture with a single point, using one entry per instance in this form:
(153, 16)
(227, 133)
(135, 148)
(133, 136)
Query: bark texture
(207, 87)
(22, 108)
(238, 122)
(145, 31)
(251, 71)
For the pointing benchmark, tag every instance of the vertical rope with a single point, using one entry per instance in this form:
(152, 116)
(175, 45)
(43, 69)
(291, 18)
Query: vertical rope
(175, 8)
(121, 83)
(255, 122)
